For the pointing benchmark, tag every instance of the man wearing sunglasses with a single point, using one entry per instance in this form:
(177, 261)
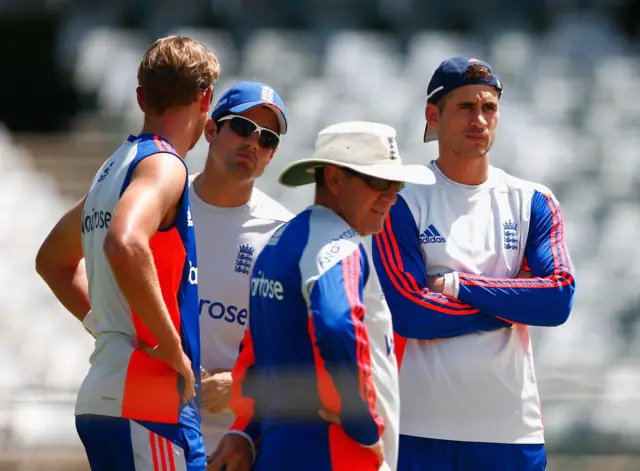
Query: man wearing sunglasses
(316, 381)
(467, 265)
(233, 220)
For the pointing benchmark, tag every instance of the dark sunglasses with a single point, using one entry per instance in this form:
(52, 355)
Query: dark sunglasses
(244, 127)
(375, 183)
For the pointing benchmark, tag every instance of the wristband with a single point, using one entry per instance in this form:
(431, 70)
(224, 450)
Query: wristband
(451, 285)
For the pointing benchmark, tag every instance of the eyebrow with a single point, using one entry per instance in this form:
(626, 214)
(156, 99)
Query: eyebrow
(473, 103)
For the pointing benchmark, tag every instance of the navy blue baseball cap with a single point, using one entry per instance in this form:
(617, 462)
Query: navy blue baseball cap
(246, 95)
(454, 73)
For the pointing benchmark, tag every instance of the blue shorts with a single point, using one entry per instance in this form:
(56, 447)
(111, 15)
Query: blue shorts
(427, 454)
(114, 443)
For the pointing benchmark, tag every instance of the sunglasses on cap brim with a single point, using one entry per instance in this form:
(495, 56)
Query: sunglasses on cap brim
(244, 127)
(375, 183)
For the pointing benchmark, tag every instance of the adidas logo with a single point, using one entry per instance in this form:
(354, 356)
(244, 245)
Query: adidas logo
(432, 236)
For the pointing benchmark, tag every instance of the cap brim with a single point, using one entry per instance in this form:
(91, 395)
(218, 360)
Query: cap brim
(282, 121)
(430, 134)
(301, 172)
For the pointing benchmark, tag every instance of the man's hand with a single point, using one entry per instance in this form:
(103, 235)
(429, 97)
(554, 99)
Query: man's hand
(329, 416)
(176, 359)
(234, 451)
(378, 449)
(333, 418)
(216, 391)
(435, 283)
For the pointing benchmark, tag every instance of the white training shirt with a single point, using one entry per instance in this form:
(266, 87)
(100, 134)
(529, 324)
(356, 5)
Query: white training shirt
(466, 363)
(228, 241)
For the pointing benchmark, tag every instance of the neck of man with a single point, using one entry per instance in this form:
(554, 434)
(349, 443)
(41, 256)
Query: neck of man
(217, 189)
(326, 199)
(177, 127)
(471, 171)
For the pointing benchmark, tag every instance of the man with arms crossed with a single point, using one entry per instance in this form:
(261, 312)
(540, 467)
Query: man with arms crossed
(233, 221)
(466, 265)
(320, 335)
(138, 407)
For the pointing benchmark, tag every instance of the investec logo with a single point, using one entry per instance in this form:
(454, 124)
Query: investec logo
(432, 236)
(266, 288)
(328, 255)
(95, 219)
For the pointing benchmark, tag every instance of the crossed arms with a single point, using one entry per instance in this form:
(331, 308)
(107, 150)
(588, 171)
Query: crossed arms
(474, 302)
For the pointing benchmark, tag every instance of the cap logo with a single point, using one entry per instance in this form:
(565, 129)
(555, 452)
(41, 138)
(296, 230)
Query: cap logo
(267, 94)
(473, 59)
(393, 148)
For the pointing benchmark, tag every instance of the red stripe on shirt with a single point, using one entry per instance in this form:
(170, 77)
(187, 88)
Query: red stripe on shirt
(154, 451)
(352, 275)
(400, 344)
(151, 385)
(172, 463)
(242, 406)
(406, 284)
(561, 263)
(327, 390)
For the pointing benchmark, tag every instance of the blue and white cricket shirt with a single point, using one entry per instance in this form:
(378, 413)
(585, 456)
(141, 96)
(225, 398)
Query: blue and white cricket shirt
(466, 364)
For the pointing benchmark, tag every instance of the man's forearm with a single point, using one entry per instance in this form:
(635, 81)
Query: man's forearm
(215, 371)
(70, 287)
(537, 301)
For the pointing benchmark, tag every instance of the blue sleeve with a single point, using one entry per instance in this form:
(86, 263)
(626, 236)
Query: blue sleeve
(417, 312)
(546, 299)
(337, 312)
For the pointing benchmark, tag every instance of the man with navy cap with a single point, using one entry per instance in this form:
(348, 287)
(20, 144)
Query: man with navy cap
(466, 265)
(233, 221)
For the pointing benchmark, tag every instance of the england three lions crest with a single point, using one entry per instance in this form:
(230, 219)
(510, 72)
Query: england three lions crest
(244, 259)
(511, 236)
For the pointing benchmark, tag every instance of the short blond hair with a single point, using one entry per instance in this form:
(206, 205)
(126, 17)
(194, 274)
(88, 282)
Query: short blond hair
(174, 70)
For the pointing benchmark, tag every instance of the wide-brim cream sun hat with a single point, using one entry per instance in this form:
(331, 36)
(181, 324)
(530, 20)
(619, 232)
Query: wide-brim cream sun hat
(365, 147)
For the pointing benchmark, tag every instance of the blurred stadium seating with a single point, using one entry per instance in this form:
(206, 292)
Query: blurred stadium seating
(569, 119)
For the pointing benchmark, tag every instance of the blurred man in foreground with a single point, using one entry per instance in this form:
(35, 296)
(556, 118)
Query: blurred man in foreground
(320, 336)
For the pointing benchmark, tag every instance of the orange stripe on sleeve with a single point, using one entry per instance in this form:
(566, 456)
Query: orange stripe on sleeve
(561, 263)
(410, 289)
(242, 406)
(352, 274)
